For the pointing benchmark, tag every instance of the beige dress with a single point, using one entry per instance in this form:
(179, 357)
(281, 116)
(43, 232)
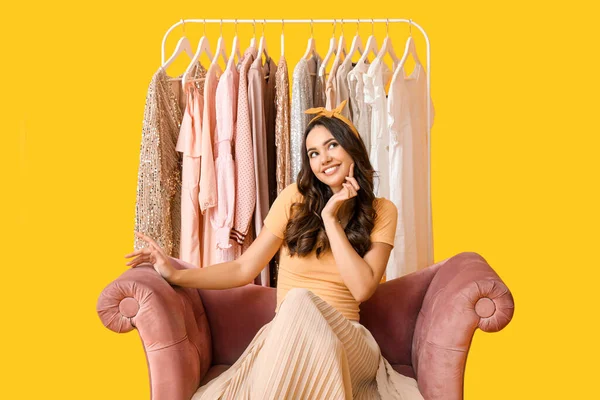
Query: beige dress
(407, 120)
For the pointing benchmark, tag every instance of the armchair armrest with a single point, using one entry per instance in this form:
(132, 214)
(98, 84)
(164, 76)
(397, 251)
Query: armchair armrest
(464, 294)
(171, 324)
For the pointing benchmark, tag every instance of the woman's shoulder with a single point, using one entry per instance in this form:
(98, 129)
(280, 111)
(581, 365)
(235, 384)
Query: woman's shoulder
(384, 207)
(381, 203)
(291, 192)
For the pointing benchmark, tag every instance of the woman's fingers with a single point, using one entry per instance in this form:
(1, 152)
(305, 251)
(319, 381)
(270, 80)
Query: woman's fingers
(137, 261)
(353, 182)
(135, 253)
(350, 190)
(351, 170)
(158, 252)
(146, 238)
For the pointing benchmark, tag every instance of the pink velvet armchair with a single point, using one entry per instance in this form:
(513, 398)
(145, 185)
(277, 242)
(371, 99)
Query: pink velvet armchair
(423, 323)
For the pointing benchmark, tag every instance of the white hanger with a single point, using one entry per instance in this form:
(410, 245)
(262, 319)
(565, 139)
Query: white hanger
(235, 47)
(220, 48)
(183, 45)
(371, 46)
(387, 47)
(409, 49)
(330, 52)
(282, 40)
(356, 45)
(310, 48)
(253, 38)
(341, 48)
(262, 44)
(203, 47)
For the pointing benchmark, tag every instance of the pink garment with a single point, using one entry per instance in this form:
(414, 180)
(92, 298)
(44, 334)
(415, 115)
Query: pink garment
(245, 177)
(221, 216)
(407, 120)
(256, 90)
(208, 183)
(331, 85)
(189, 143)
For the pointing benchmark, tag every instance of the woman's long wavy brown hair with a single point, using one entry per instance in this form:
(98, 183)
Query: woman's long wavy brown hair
(305, 230)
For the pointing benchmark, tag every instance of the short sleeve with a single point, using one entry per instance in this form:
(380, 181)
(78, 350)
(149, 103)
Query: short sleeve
(279, 214)
(386, 220)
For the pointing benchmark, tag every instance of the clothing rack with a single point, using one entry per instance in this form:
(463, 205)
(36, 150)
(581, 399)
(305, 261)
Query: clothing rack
(342, 21)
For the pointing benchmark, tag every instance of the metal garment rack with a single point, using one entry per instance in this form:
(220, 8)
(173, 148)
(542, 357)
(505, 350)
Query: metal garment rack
(343, 21)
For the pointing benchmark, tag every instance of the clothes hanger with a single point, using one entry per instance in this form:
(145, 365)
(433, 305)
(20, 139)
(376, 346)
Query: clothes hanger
(235, 47)
(253, 38)
(310, 48)
(282, 40)
(203, 47)
(183, 46)
(387, 47)
(371, 46)
(220, 48)
(341, 48)
(356, 45)
(410, 48)
(332, 50)
(262, 44)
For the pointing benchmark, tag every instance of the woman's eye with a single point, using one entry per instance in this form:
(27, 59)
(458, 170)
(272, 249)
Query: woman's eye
(310, 155)
(333, 144)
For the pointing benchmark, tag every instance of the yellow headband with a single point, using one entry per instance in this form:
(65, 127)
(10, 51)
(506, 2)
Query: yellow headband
(335, 113)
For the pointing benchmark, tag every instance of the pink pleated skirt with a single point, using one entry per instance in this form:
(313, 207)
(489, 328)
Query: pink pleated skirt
(310, 351)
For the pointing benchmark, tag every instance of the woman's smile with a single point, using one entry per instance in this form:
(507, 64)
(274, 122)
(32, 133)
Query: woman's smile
(331, 170)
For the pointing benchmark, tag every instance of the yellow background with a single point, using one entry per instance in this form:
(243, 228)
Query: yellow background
(514, 176)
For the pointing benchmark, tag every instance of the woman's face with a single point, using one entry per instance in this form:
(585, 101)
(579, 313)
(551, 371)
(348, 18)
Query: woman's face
(328, 160)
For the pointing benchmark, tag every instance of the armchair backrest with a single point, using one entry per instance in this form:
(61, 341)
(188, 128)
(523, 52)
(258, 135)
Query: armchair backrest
(235, 316)
(391, 314)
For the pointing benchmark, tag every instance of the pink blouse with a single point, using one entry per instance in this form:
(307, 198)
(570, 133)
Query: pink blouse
(208, 182)
(189, 143)
(245, 180)
(221, 216)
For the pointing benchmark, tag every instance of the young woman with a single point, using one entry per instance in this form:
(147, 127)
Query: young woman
(335, 239)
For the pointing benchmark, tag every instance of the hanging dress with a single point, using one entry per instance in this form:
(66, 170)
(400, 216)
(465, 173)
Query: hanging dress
(256, 95)
(189, 143)
(361, 112)
(226, 118)
(158, 198)
(331, 90)
(245, 176)
(407, 120)
(375, 81)
(342, 89)
(282, 126)
(208, 179)
(270, 73)
(304, 84)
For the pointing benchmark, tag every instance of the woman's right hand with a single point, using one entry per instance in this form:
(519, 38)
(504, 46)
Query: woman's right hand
(154, 255)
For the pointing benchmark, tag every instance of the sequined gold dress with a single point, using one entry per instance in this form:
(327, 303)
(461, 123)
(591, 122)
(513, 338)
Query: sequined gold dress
(158, 202)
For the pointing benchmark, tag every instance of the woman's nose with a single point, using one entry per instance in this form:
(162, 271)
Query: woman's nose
(325, 159)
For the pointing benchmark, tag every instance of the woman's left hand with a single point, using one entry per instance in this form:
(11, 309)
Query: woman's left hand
(349, 189)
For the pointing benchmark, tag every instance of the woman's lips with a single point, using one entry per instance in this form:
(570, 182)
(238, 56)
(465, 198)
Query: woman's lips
(331, 170)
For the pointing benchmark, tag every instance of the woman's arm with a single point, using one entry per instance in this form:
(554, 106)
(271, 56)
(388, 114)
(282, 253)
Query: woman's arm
(231, 274)
(360, 275)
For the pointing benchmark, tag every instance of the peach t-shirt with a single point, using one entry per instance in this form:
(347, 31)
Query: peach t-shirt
(321, 276)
